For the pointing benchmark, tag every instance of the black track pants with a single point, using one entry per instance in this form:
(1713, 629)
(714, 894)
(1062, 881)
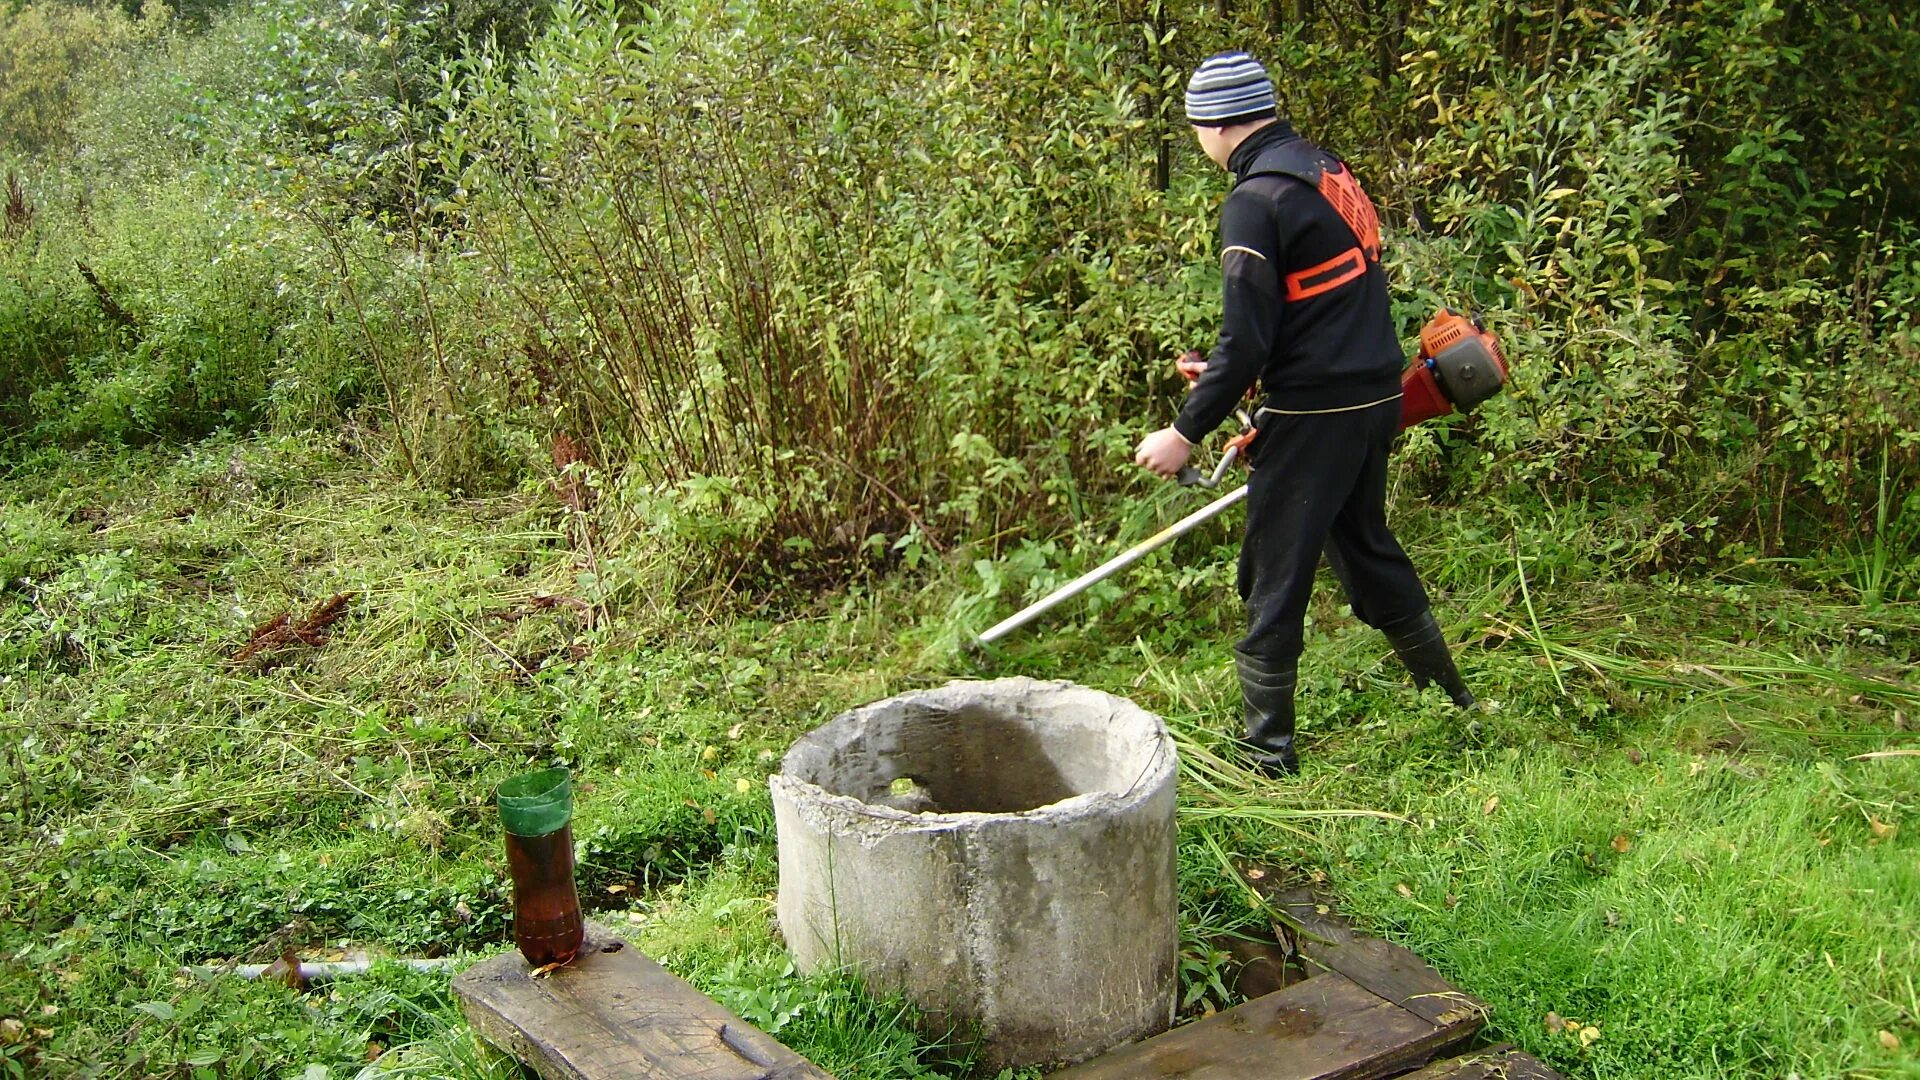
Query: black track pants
(1320, 482)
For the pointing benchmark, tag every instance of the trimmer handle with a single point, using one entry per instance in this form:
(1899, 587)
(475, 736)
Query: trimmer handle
(1190, 366)
(1188, 476)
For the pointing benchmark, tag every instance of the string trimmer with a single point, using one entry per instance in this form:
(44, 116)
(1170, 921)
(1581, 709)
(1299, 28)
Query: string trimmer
(1459, 365)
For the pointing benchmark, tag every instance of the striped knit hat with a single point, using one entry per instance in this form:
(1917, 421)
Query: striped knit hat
(1230, 88)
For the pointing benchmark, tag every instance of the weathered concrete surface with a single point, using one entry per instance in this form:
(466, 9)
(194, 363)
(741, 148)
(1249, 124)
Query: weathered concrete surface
(1033, 901)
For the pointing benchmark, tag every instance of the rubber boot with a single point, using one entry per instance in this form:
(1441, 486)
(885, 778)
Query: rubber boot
(1422, 647)
(1266, 689)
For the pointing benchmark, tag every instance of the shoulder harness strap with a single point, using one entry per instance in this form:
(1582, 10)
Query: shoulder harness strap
(1335, 182)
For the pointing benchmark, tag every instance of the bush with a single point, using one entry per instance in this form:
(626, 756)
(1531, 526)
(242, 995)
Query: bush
(778, 307)
(1001, 283)
(169, 315)
(916, 281)
(1704, 272)
(49, 51)
(43, 319)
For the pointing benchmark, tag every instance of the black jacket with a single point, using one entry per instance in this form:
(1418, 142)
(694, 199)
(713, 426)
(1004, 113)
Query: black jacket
(1305, 309)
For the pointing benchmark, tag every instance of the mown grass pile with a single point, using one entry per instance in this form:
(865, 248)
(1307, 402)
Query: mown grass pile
(1685, 823)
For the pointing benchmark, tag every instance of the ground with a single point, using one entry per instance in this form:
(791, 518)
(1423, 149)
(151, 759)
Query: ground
(1679, 842)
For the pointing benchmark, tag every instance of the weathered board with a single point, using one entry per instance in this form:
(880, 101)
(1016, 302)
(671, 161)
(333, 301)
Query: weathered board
(1500, 1063)
(1326, 1028)
(1388, 970)
(614, 1014)
(1258, 967)
(1305, 913)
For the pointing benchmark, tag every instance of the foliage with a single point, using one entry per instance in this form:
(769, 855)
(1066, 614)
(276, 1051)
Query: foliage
(45, 321)
(50, 51)
(794, 392)
(165, 317)
(957, 320)
(1697, 272)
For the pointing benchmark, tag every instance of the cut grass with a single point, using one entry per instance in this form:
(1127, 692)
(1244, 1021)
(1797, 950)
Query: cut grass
(1702, 912)
(1663, 827)
(1669, 825)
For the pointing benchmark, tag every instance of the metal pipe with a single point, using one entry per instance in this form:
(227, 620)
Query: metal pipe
(316, 970)
(1191, 477)
(1109, 568)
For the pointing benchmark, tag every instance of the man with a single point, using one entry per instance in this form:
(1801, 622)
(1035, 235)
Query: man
(1305, 314)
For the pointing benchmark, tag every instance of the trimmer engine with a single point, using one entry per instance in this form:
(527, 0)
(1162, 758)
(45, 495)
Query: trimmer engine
(1459, 366)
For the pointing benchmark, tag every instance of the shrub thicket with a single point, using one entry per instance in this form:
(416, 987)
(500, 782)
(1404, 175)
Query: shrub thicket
(49, 55)
(810, 280)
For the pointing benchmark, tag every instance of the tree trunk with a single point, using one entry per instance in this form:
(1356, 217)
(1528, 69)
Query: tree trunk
(1390, 30)
(1162, 125)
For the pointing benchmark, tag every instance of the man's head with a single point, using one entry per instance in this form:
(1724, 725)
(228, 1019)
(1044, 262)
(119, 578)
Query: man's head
(1228, 98)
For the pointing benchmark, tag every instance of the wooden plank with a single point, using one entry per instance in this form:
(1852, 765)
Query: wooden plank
(1307, 913)
(1259, 967)
(1499, 1063)
(614, 1014)
(1402, 978)
(1326, 1028)
(1386, 969)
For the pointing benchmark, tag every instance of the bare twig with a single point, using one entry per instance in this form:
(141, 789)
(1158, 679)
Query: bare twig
(108, 304)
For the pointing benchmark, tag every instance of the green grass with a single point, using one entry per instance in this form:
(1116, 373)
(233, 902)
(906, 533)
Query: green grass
(1662, 827)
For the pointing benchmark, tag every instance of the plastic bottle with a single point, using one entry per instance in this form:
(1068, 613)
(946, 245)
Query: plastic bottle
(536, 809)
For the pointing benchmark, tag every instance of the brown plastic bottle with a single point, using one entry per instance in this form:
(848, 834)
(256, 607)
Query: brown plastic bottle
(537, 810)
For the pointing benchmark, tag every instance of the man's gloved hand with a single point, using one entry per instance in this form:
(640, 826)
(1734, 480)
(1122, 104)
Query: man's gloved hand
(1164, 452)
(1191, 364)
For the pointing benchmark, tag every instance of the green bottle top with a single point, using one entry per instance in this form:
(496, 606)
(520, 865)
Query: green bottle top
(536, 803)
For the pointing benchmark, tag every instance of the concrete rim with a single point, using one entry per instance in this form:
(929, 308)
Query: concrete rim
(1162, 760)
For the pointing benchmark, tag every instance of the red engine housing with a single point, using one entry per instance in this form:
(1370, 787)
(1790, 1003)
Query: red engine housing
(1459, 366)
(1420, 396)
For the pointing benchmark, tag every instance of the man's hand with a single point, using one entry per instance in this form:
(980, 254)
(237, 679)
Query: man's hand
(1191, 365)
(1163, 453)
